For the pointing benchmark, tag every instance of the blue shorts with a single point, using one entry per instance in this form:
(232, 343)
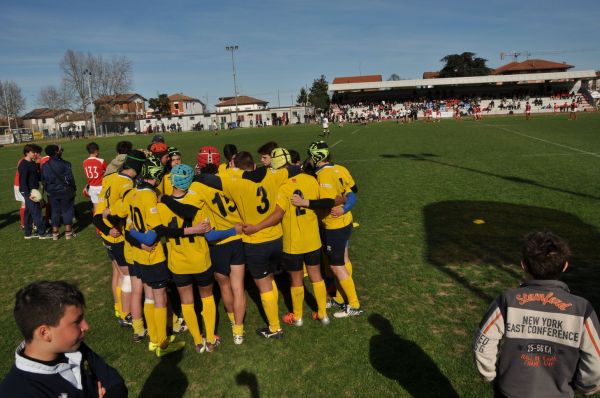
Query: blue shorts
(156, 276)
(205, 278)
(264, 258)
(227, 254)
(116, 252)
(294, 262)
(335, 242)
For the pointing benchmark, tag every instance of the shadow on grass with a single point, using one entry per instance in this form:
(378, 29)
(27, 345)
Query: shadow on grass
(245, 378)
(166, 379)
(429, 157)
(83, 213)
(9, 218)
(458, 246)
(405, 362)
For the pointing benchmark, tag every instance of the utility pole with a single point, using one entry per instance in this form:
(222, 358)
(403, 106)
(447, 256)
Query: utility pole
(232, 49)
(89, 75)
(6, 105)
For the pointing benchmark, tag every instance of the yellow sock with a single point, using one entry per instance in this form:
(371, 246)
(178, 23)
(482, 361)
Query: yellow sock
(160, 319)
(174, 320)
(339, 297)
(209, 313)
(150, 322)
(138, 326)
(119, 303)
(350, 290)
(297, 293)
(231, 318)
(320, 292)
(238, 330)
(189, 314)
(275, 290)
(271, 310)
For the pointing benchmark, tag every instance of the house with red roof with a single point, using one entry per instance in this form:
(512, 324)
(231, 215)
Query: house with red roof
(183, 105)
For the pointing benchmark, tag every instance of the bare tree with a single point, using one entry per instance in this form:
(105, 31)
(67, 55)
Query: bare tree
(73, 66)
(54, 98)
(11, 100)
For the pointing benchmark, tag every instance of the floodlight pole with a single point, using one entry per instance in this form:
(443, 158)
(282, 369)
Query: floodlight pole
(89, 75)
(232, 49)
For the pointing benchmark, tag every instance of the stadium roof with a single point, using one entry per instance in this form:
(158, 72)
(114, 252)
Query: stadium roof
(241, 100)
(357, 79)
(454, 81)
(532, 66)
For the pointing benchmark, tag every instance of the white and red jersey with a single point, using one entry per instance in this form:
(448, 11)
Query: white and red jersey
(94, 169)
(527, 108)
(16, 183)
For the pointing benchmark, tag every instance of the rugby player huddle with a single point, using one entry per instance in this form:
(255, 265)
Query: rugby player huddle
(165, 222)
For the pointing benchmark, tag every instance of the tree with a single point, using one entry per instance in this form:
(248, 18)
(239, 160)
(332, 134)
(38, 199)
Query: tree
(54, 98)
(318, 96)
(302, 97)
(161, 105)
(11, 100)
(394, 77)
(465, 64)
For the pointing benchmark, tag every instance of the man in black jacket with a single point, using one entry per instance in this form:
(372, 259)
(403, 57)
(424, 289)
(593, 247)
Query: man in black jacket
(60, 187)
(53, 361)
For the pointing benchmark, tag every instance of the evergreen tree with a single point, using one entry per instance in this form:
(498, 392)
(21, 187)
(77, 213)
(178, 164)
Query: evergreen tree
(465, 64)
(318, 96)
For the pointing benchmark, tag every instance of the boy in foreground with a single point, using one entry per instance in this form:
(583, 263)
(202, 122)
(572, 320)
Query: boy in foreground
(550, 337)
(53, 360)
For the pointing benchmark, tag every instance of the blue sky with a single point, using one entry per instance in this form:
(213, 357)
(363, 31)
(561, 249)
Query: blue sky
(283, 45)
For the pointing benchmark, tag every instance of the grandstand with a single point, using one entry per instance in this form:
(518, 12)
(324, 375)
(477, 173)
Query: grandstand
(547, 85)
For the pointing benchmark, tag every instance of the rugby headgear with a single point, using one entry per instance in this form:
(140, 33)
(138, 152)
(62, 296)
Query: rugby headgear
(173, 151)
(318, 151)
(280, 157)
(182, 176)
(208, 155)
(158, 138)
(159, 149)
(134, 160)
(152, 169)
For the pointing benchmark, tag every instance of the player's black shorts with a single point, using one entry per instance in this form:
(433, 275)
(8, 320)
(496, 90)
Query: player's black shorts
(263, 259)
(156, 276)
(116, 252)
(335, 241)
(205, 278)
(294, 262)
(227, 254)
(134, 270)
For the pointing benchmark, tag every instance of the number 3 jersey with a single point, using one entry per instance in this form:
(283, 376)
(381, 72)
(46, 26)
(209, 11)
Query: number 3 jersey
(300, 225)
(186, 254)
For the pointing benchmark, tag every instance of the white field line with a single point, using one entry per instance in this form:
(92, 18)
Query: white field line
(336, 143)
(354, 132)
(546, 141)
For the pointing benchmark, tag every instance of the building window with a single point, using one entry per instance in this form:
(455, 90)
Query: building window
(191, 118)
(147, 121)
(180, 117)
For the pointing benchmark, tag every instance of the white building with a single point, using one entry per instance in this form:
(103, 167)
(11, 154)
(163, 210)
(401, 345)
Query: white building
(242, 102)
(45, 120)
(183, 105)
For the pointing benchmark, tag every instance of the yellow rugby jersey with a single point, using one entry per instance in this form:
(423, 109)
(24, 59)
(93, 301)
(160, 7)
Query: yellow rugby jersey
(222, 168)
(256, 201)
(346, 177)
(300, 225)
(165, 185)
(187, 254)
(113, 188)
(331, 184)
(140, 208)
(222, 212)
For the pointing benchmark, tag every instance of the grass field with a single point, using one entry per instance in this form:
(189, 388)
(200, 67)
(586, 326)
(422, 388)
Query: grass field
(425, 272)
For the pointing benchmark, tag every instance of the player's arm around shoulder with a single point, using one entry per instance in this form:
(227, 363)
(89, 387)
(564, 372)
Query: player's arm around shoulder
(587, 377)
(487, 339)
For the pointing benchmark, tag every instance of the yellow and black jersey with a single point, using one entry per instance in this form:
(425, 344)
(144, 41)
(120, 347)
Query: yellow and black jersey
(140, 208)
(333, 181)
(222, 211)
(186, 254)
(256, 201)
(114, 187)
(165, 187)
(300, 225)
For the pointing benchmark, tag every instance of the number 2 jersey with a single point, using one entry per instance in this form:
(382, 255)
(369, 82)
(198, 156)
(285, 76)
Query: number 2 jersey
(300, 225)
